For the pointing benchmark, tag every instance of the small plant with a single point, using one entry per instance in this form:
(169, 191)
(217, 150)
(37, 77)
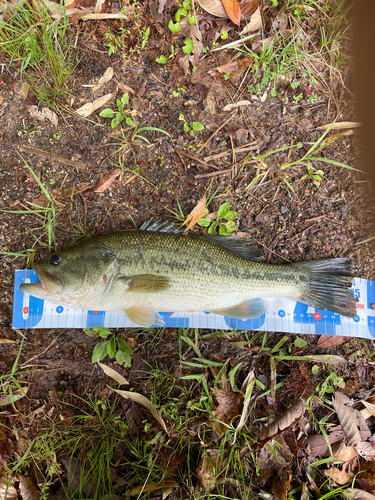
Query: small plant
(316, 176)
(161, 59)
(329, 384)
(224, 35)
(227, 75)
(122, 353)
(223, 214)
(196, 126)
(189, 46)
(145, 37)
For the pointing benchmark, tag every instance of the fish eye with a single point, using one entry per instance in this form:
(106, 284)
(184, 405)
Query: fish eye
(55, 259)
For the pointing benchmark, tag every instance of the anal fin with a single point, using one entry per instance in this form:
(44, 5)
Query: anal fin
(144, 316)
(248, 309)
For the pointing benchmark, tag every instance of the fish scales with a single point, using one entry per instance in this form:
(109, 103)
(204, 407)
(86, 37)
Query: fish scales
(142, 272)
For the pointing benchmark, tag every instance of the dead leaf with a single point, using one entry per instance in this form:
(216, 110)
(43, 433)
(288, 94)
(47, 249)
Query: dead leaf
(248, 8)
(16, 396)
(254, 24)
(370, 407)
(8, 341)
(348, 419)
(196, 214)
(61, 194)
(235, 68)
(247, 388)
(1, 100)
(108, 75)
(28, 490)
(113, 374)
(367, 451)
(106, 181)
(326, 341)
(230, 406)
(339, 476)
(358, 494)
(125, 88)
(214, 7)
(327, 358)
(90, 107)
(45, 114)
(99, 6)
(233, 10)
(145, 488)
(139, 398)
(318, 443)
(25, 90)
(210, 463)
(340, 125)
(285, 420)
(348, 457)
(7, 489)
(238, 104)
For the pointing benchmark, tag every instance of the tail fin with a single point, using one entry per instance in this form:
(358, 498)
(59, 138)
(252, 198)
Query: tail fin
(328, 287)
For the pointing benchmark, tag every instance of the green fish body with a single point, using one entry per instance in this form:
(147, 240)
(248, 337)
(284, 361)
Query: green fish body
(155, 269)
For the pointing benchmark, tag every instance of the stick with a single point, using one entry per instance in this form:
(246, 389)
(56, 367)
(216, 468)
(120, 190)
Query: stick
(52, 156)
(211, 174)
(216, 131)
(193, 157)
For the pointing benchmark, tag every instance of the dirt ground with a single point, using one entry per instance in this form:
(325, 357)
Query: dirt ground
(292, 221)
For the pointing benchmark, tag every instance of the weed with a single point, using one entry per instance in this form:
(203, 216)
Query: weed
(122, 353)
(44, 49)
(223, 214)
(315, 175)
(196, 126)
(120, 115)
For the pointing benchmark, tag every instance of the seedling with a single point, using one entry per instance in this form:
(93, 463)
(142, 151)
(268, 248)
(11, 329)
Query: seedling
(196, 126)
(161, 59)
(223, 214)
(224, 35)
(316, 176)
(123, 352)
(227, 75)
(145, 38)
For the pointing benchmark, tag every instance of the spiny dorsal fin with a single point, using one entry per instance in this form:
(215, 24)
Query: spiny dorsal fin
(161, 226)
(240, 246)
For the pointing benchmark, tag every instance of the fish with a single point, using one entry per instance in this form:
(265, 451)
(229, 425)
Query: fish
(157, 268)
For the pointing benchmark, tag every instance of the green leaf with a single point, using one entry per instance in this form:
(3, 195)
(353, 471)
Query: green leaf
(212, 228)
(174, 27)
(231, 226)
(99, 352)
(187, 4)
(107, 113)
(205, 222)
(197, 126)
(124, 353)
(189, 46)
(120, 105)
(315, 369)
(125, 99)
(224, 35)
(300, 342)
(130, 121)
(224, 231)
(230, 215)
(161, 59)
(223, 210)
(192, 19)
(186, 127)
(102, 331)
(111, 347)
(179, 13)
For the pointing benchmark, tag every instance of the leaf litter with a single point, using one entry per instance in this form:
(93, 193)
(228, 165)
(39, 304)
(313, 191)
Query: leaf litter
(203, 432)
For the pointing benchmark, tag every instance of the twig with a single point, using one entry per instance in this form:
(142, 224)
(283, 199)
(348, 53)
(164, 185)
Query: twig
(325, 218)
(240, 149)
(253, 195)
(182, 160)
(263, 209)
(216, 131)
(211, 174)
(52, 156)
(193, 157)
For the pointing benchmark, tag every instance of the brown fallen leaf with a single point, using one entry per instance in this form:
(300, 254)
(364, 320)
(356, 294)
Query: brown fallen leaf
(196, 214)
(25, 90)
(230, 406)
(216, 8)
(90, 107)
(317, 443)
(340, 125)
(59, 195)
(106, 181)
(28, 490)
(285, 420)
(254, 24)
(233, 10)
(108, 75)
(348, 419)
(367, 451)
(348, 458)
(45, 114)
(358, 494)
(235, 68)
(326, 341)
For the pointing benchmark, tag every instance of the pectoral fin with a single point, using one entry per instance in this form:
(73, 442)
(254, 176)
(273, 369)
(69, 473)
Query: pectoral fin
(245, 310)
(146, 283)
(144, 316)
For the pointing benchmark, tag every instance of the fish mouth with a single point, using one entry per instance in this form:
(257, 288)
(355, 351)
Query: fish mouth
(49, 282)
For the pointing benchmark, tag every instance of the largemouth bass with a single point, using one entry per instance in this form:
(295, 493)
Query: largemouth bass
(157, 269)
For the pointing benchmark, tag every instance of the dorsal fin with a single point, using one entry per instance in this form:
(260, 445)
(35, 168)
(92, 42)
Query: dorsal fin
(242, 247)
(161, 226)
